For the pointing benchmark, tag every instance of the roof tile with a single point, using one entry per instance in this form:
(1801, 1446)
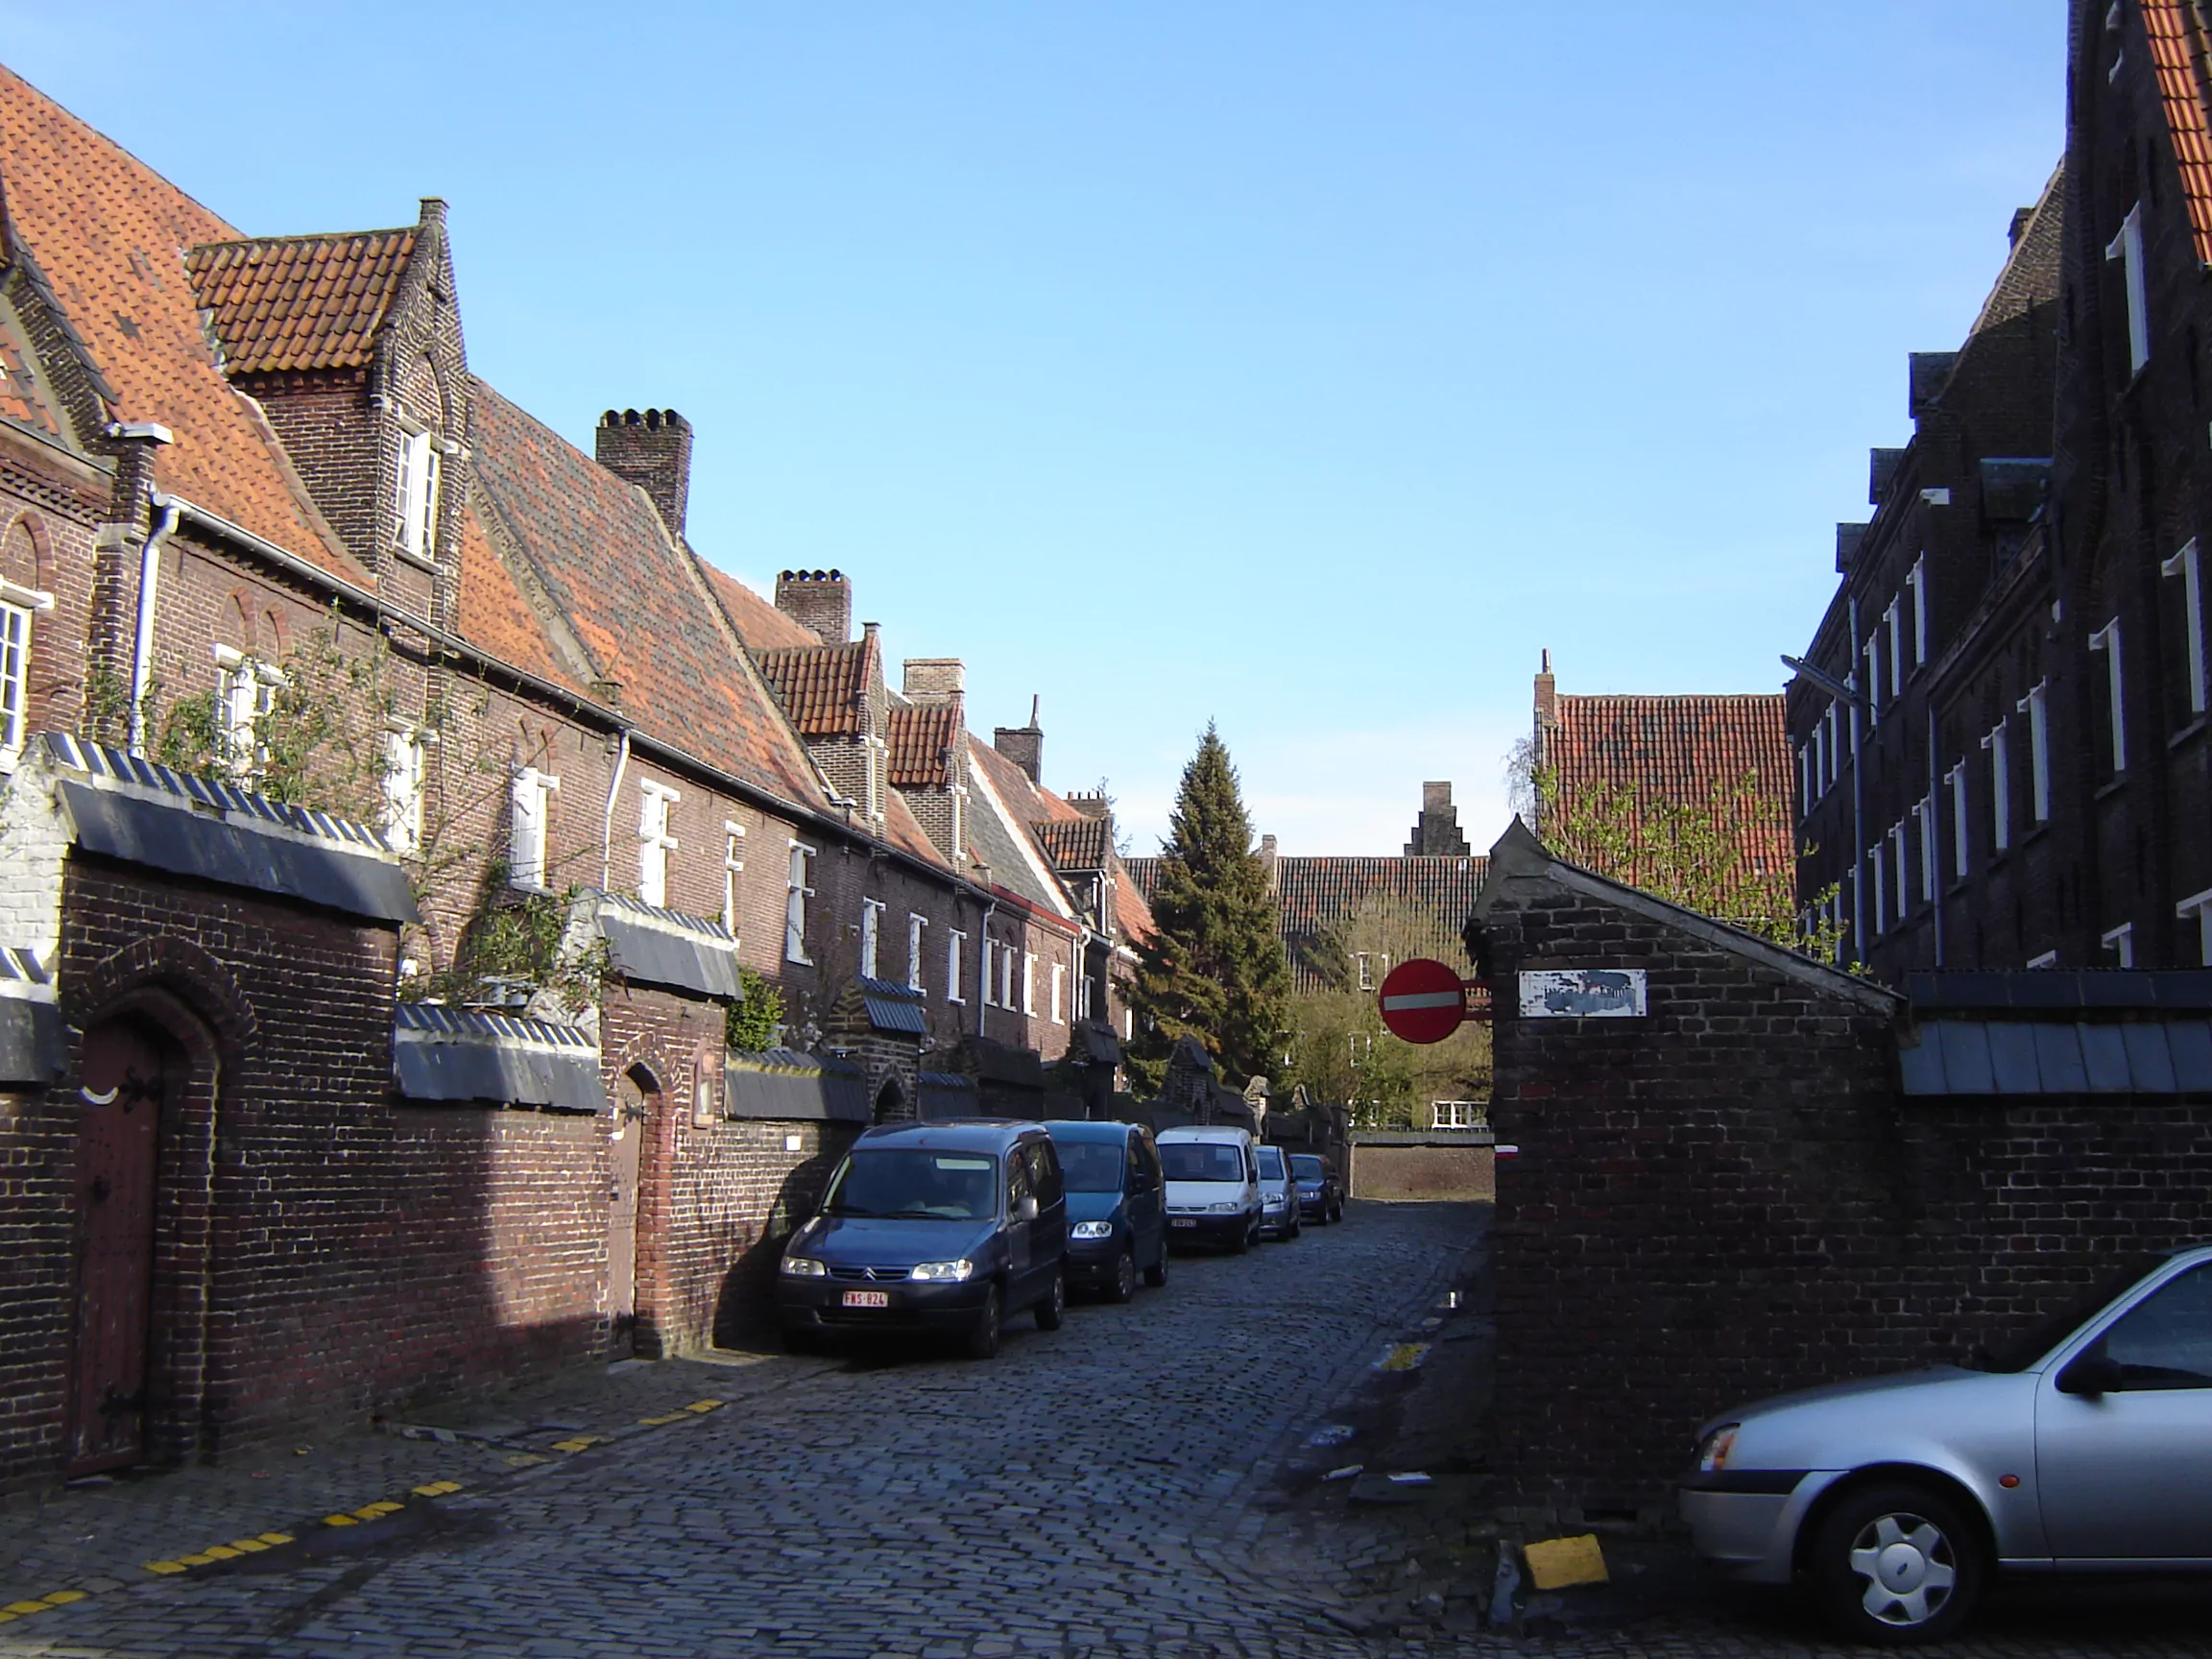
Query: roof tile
(283, 302)
(920, 734)
(822, 688)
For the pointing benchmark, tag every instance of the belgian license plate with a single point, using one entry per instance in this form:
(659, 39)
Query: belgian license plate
(867, 1298)
(1186, 1221)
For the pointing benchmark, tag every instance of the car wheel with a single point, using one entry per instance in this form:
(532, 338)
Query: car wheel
(1156, 1275)
(1124, 1285)
(1054, 1307)
(1243, 1242)
(1898, 1563)
(1298, 1226)
(983, 1341)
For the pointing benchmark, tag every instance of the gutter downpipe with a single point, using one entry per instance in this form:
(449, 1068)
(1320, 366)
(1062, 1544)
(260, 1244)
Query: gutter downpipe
(1932, 831)
(142, 646)
(606, 823)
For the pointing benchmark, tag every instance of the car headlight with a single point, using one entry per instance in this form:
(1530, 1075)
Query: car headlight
(1713, 1451)
(1273, 1201)
(1225, 1208)
(944, 1272)
(803, 1268)
(1091, 1230)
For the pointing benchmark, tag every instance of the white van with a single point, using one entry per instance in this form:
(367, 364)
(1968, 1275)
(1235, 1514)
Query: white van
(1212, 1187)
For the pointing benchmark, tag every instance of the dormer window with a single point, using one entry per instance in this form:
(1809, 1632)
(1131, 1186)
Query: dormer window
(419, 466)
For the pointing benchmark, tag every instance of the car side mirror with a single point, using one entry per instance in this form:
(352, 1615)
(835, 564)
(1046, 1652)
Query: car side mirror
(1026, 1207)
(2092, 1374)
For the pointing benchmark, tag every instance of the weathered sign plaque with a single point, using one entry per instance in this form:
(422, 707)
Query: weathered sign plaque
(1583, 994)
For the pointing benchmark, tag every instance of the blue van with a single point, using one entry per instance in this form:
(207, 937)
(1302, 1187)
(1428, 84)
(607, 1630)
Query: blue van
(931, 1229)
(1116, 1206)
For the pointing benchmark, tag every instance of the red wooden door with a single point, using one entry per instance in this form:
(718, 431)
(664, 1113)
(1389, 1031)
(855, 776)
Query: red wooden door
(119, 1107)
(629, 1133)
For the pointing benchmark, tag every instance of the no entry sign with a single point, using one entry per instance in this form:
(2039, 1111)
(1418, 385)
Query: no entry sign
(1423, 1000)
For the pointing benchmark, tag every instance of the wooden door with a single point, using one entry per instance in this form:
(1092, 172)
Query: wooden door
(628, 1139)
(119, 1117)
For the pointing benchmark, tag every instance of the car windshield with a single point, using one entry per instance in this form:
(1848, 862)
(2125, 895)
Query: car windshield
(1090, 1165)
(917, 1185)
(1271, 1163)
(1307, 1168)
(2018, 1352)
(1201, 1161)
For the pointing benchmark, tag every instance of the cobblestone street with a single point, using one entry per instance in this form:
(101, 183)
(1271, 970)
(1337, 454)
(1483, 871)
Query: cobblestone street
(1146, 1481)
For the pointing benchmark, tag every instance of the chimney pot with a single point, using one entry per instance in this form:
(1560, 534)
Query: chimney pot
(653, 451)
(818, 599)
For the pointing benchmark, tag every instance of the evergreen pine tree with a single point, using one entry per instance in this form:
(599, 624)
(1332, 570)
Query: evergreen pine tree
(1214, 967)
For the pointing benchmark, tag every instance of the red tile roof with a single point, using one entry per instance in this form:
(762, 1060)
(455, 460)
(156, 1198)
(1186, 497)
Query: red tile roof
(1683, 750)
(904, 830)
(21, 397)
(919, 735)
(758, 623)
(822, 688)
(300, 301)
(1076, 843)
(495, 617)
(2177, 58)
(636, 601)
(109, 234)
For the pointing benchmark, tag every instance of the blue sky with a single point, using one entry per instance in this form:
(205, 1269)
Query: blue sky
(1307, 367)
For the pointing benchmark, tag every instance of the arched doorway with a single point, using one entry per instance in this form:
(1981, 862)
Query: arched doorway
(634, 1091)
(125, 1069)
(890, 1101)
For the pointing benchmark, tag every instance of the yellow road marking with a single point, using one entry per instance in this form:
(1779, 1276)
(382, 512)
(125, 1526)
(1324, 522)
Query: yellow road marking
(658, 1422)
(328, 1520)
(275, 1537)
(437, 1488)
(577, 1443)
(704, 1405)
(251, 1546)
(220, 1552)
(20, 1608)
(200, 1560)
(62, 1597)
(164, 1566)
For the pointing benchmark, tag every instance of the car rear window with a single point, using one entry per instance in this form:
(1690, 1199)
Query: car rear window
(1090, 1165)
(1307, 1168)
(1202, 1160)
(1271, 1163)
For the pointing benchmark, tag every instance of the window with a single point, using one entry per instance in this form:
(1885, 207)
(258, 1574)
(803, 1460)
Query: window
(1129, 1024)
(733, 867)
(1880, 887)
(1028, 982)
(2121, 942)
(1894, 618)
(2184, 565)
(14, 680)
(871, 936)
(403, 770)
(1083, 996)
(1805, 779)
(1366, 971)
(2049, 959)
(246, 689)
(1461, 1113)
(2127, 248)
(1873, 653)
(2200, 905)
(1058, 976)
(1918, 581)
(956, 943)
(1957, 779)
(1006, 954)
(419, 466)
(914, 926)
(2107, 641)
(527, 833)
(799, 887)
(1902, 861)
(2166, 1342)
(1830, 749)
(1924, 821)
(654, 841)
(2036, 706)
(1999, 788)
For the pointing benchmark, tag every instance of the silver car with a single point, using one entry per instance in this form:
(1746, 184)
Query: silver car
(1278, 1193)
(2086, 1447)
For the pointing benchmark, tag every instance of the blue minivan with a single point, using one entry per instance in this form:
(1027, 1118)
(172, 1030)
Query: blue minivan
(931, 1229)
(1116, 1206)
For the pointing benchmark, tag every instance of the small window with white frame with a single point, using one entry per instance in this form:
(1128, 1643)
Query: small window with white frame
(871, 936)
(1918, 581)
(655, 840)
(798, 893)
(2127, 248)
(956, 946)
(530, 806)
(915, 924)
(1999, 788)
(1028, 982)
(405, 766)
(17, 605)
(2198, 906)
(1460, 1113)
(732, 872)
(421, 466)
(2115, 694)
(2036, 706)
(2121, 942)
(246, 692)
(1961, 844)
(2185, 568)
(1059, 981)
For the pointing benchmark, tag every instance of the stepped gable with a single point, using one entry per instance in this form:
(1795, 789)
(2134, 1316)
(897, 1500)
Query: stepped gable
(1680, 749)
(2179, 55)
(107, 235)
(758, 623)
(634, 600)
(919, 735)
(299, 302)
(822, 688)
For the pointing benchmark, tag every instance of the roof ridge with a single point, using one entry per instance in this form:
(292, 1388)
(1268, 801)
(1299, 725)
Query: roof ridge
(303, 236)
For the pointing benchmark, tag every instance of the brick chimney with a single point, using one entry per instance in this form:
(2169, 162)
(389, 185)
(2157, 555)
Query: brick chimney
(1547, 699)
(934, 679)
(820, 599)
(1023, 745)
(653, 451)
(1436, 831)
(1267, 859)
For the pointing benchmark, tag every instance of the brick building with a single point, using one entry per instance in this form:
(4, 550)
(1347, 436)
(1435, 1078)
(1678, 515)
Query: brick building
(2004, 718)
(393, 801)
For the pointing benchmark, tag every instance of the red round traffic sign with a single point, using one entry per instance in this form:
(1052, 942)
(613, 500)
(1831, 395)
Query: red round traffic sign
(1423, 1000)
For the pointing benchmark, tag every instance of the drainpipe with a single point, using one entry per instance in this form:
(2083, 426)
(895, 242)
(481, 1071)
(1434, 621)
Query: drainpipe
(142, 647)
(1932, 833)
(1858, 798)
(606, 823)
